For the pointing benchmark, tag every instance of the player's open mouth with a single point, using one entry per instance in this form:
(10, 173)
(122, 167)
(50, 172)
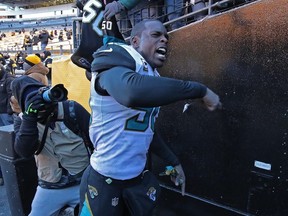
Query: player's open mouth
(161, 51)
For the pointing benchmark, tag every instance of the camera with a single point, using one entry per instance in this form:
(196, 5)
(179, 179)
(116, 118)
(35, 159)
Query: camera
(55, 94)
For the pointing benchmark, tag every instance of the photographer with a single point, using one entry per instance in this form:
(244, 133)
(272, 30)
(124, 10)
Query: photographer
(56, 131)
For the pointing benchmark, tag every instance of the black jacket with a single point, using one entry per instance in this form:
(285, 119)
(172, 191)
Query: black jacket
(5, 91)
(44, 37)
(26, 141)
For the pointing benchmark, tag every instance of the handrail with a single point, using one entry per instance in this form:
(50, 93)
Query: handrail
(208, 8)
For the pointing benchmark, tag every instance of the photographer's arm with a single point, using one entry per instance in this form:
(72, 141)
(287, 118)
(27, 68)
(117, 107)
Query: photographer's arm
(26, 139)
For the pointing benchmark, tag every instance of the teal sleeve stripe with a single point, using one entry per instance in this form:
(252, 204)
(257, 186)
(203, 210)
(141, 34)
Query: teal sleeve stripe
(129, 4)
(107, 39)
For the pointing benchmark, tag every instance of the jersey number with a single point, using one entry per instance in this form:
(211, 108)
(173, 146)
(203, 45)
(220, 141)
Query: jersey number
(90, 13)
(136, 123)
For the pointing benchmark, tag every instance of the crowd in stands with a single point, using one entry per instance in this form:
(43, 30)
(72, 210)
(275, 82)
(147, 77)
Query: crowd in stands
(34, 40)
(16, 63)
(31, 23)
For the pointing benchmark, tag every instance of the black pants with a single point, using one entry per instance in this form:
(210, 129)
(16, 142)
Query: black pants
(102, 195)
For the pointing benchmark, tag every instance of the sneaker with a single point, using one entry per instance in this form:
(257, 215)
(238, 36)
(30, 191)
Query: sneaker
(1, 182)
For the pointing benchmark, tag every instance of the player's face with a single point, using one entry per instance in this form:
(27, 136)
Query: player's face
(153, 44)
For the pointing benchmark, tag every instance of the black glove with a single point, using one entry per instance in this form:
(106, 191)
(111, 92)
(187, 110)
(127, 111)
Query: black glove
(33, 104)
(112, 8)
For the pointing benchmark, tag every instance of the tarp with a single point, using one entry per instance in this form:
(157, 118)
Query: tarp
(73, 78)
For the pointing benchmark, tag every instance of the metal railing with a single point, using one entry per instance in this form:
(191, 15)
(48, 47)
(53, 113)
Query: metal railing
(211, 7)
(59, 48)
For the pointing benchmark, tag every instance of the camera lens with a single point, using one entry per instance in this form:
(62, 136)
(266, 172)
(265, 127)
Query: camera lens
(55, 94)
(45, 96)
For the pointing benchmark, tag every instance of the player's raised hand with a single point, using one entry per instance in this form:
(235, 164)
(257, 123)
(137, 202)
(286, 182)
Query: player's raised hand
(111, 9)
(211, 100)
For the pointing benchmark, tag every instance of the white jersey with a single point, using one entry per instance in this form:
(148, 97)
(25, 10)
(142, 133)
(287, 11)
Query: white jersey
(121, 136)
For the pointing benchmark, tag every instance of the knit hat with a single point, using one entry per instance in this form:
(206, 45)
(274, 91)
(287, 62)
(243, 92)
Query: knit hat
(30, 61)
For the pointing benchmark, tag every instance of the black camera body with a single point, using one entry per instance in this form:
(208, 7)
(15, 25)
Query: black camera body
(55, 94)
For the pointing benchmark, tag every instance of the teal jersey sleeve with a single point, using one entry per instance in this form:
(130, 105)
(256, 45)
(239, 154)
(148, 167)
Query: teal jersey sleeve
(129, 4)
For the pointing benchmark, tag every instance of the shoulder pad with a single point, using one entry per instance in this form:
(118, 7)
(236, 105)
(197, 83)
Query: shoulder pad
(112, 55)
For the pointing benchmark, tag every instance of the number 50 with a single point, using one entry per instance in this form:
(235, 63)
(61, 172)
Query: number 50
(106, 25)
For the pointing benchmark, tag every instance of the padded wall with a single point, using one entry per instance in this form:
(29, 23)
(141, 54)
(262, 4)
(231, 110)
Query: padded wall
(236, 157)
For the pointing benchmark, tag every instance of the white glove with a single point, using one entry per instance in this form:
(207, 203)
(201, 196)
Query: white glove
(211, 100)
(112, 8)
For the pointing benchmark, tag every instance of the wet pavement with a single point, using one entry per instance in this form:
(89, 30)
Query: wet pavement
(4, 205)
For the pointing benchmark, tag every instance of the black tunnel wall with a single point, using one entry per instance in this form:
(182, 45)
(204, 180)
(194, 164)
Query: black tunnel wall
(243, 56)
